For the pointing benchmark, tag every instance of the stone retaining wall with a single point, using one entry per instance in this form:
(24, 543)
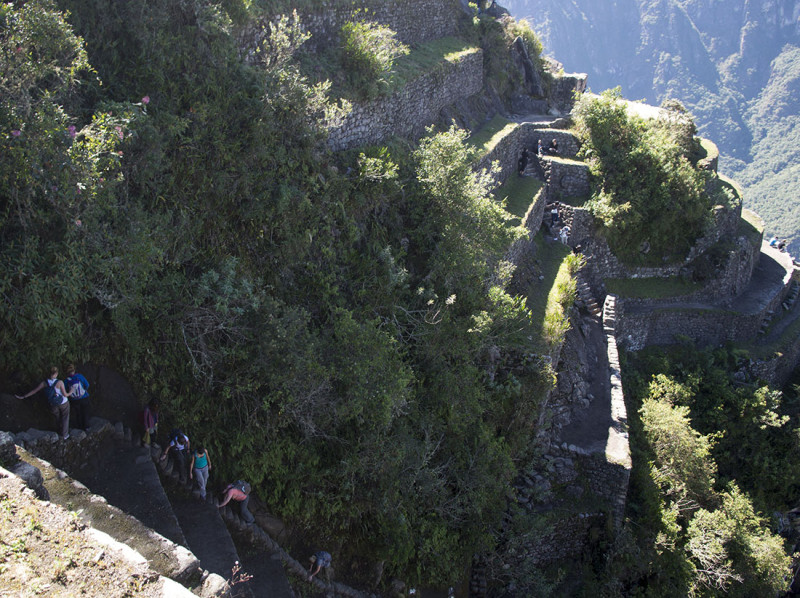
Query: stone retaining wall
(565, 178)
(509, 149)
(729, 281)
(414, 21)
(408, 111)
(637, 330)
(607, 265)
(778, 370)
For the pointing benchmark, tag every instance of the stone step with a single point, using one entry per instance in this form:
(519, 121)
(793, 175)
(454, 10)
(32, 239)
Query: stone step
(205, 532)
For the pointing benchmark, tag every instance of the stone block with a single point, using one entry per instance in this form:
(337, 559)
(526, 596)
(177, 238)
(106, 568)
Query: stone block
(32, 478)
(77, 435)
(119, 431)
(8, 449)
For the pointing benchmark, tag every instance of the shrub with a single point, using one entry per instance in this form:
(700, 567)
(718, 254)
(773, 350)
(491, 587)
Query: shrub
(645, 191)
(368, 53)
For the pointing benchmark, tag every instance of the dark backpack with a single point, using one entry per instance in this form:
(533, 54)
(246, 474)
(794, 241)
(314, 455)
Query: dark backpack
(243, 486)
(53, 398)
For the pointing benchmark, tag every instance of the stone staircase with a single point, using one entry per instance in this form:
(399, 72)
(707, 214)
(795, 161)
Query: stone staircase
(192, 544)
(791, 298)
(111, 527)
(586, 297)
(117, 490)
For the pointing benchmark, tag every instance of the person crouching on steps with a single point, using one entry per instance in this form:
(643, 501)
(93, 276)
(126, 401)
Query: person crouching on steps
(78, 387)
(57, 399)
(319, 560)
(240, 492)
(179, 445)
(198, 470)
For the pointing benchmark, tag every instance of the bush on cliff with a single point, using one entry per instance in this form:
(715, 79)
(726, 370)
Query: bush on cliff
(368, 54)
(645, 191)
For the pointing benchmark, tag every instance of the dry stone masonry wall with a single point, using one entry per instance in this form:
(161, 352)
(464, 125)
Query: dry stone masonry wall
(408, 111)
(414, 21)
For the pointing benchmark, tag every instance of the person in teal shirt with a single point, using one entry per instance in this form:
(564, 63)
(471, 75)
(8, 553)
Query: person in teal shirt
(198, 470)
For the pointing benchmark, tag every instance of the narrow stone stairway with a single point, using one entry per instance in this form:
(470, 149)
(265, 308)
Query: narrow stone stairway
(209, 538)
(126, 477)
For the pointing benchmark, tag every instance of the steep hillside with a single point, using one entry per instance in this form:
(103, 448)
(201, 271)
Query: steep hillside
(729, 62)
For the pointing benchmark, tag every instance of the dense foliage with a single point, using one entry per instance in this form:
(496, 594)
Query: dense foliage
(646, 192)
(710, 456)
(335, 328)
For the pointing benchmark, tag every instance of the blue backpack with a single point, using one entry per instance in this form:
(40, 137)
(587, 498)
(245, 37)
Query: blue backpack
(53, 398)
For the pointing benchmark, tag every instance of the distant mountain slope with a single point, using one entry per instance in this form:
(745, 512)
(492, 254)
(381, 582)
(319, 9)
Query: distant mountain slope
(735, 64)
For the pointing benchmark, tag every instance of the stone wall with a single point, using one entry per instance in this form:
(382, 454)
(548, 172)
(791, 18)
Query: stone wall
(565, 178)
(414, 21)
(408, 111)
(564, 89)
(606, 265)
(730, 280)
(509, 149)
(638, 329)
(777, 370)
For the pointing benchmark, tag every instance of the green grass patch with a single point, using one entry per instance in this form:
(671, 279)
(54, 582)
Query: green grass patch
(484, 140)
(550, 298)
(425, 58)
(428, 57)
(519, 193)
(651, 288)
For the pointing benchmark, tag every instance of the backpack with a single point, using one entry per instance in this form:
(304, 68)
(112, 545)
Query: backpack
(243, 486)
(53, 398)
(78, 389)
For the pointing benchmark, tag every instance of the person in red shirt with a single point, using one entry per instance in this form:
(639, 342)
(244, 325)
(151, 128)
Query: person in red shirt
(240, 492)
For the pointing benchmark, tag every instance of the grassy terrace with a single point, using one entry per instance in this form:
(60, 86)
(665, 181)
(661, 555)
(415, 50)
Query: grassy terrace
(550, 298)
(489, 135)
(518, 193)
(707, 150)
(651, 288)
(423, 59)
(428, 57)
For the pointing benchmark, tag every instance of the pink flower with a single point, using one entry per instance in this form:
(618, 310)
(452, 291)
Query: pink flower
(71, 131)
(16, 133)
(119, 153)
(18, 49)
(119, 132)
(78, 223)
(146, 100)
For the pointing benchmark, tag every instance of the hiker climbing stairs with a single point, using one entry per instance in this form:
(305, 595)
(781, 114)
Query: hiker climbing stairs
(205, 532)
(209, 530)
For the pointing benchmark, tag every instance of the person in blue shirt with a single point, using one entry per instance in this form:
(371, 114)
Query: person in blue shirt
(77, 388)
(320, 560)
